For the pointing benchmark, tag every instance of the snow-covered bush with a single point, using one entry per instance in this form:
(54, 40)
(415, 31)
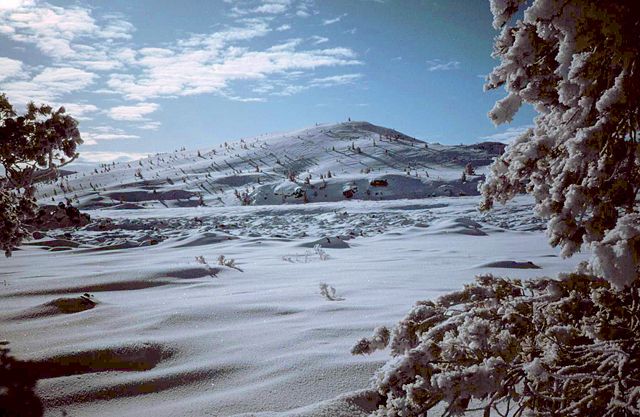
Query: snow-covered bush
(544, 347)
(576, 62)
(32, 147)
(15, 211)
(329, 292)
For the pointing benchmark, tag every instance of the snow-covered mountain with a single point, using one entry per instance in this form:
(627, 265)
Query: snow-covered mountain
(353, 160)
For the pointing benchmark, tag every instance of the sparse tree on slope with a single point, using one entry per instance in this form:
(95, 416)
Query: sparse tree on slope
(544, 347)
(32, 146)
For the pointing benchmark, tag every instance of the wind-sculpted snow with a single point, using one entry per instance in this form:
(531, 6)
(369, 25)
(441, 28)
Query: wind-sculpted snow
(138, 315)
(327, 224)
(327, 163)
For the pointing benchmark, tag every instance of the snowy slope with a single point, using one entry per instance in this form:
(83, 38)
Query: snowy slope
(166, 330)
(172, 336)
(323, 163)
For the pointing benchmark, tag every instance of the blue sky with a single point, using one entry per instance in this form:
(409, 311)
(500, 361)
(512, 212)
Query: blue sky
(146, 76)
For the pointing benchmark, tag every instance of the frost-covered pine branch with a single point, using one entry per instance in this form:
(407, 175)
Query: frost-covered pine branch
(577, 62)
(535, 348)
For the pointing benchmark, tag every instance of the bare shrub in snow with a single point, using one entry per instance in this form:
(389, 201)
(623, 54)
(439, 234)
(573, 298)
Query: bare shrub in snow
(577, 63)
(307, 256)
(202, 261)
(469, 169)
(228, 262)
(322, 255)
(539, 348)
(329, 292)
(32, 146)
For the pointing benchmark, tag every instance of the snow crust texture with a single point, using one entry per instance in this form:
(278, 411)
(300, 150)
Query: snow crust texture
(135, 314)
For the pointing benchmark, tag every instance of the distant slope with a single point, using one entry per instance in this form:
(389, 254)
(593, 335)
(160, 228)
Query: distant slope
(354, 160)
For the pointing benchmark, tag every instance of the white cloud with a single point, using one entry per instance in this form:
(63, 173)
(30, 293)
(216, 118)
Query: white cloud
(439, 65)
(10, 68)
(271, 8)
(81, 44)
(289, 45)
(50, 28)
(102, 133)
(64, 79)
(49, 85)
(133, 113)
(335, 80)
(267, 7)
(289, 90)
(210, 63)
(324, 82)
(116, 28)
(317, 40)
(150, 126)
(14, 4)
(244, 99)
(508, 135)
(334, 20)
(67, 35)
(304, 9)
(80, 111)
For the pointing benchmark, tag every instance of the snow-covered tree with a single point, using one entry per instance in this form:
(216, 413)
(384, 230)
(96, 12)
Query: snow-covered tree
(545, 347)
(512, 348)
(578, 63)
(32, 146)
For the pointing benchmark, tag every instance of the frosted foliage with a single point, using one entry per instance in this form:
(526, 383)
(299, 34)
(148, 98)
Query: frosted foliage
(379, 340)
(503, 10)
(15, 209)
(32, 146)
(506, 347)
(577, 63)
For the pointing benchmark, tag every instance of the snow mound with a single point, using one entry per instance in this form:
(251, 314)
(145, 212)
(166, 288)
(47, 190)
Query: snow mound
(511, 265)
(356, 404)
(65, 305)
(460, 225)
(327, 242)
(134, 357)
(53, 243)
(199, 239)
